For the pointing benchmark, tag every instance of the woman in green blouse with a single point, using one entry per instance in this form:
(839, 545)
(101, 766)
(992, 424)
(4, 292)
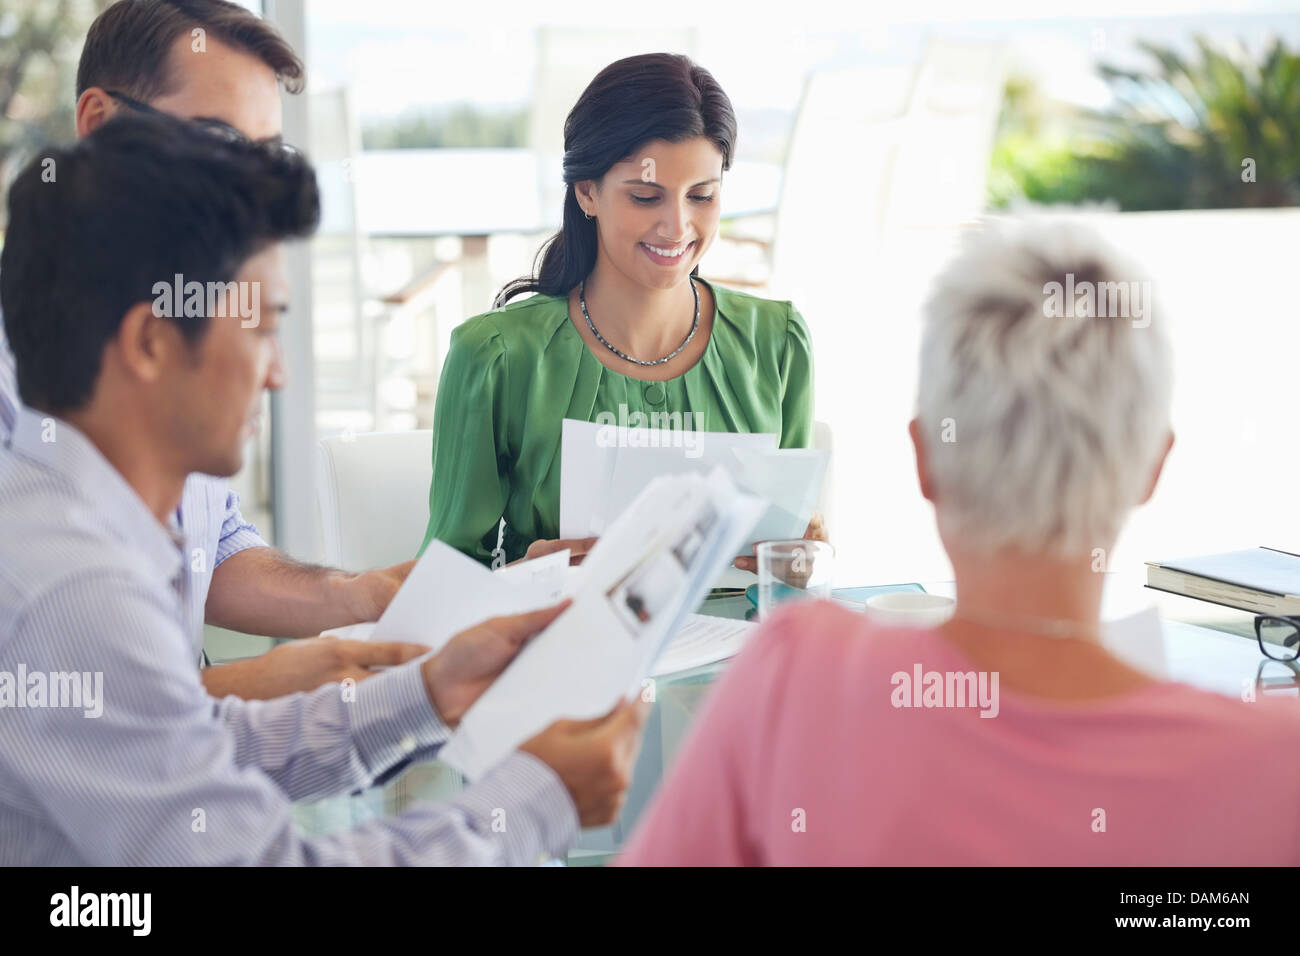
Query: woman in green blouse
(620, 323)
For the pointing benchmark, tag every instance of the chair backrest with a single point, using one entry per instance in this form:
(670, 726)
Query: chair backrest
(373, 495)
(848, 119)
(568, 59)
(942, 165)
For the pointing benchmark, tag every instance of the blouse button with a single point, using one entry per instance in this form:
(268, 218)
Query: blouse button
(655, 393)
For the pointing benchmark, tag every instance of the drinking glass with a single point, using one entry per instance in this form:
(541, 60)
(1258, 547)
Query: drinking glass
(795, 570)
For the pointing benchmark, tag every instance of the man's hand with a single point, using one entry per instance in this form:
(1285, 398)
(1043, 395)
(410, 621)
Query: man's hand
(459, 673)
(366, 596)
(578, 548)
(594, 758)
(816, 531)
(305, 665)
(264, 591)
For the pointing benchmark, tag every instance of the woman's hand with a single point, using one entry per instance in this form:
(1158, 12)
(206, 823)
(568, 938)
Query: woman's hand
(578, 548)
(816, 531)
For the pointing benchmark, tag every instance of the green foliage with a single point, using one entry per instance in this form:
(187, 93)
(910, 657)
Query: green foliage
(1177, 137)
(40, 41)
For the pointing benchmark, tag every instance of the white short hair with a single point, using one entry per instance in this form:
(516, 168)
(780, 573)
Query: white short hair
(1043, 413)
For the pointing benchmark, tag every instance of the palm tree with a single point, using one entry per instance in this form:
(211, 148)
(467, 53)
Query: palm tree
(1214, 130)
(1222, 129)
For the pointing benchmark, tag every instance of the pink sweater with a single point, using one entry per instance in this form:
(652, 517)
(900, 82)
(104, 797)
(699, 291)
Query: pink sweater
(804, 754)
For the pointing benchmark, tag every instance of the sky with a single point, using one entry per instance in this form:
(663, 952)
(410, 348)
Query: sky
(811, 13)
(396, 55)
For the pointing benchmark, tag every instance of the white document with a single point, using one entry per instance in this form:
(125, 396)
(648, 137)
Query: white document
(649, 569)
(353, 632)
(703, 640)
(603, 467)
(447, 592)
(1138, 640)
(425, 614)
(788, 479)
(549, 576)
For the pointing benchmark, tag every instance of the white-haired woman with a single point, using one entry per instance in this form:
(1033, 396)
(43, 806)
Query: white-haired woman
(1042, 418)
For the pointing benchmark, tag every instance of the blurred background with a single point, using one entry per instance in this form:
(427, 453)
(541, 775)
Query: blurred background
(868, 142)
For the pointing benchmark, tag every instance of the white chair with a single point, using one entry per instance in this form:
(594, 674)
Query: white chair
(373, 495)
(942, 165)
(372, 491)
(848, 122)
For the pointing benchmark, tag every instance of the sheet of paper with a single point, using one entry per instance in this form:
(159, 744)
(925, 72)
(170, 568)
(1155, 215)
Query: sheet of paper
(550, 576)
(640, 581)
(788, 479)
(735, 579)
(447, 592)
(703, 640)
(577, 668)
(353, 632)
(604, 467)
(546, 579)
(1137, 640)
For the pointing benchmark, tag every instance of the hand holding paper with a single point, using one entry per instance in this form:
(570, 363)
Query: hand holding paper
(815, 531)
(594, 758)
(648, 571)
(577, 548)
(468, 663)
(446, 592)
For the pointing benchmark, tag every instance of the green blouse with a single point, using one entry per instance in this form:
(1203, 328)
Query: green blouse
(514, 374)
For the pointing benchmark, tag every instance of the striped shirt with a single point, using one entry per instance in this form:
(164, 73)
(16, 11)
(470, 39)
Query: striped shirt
(209, 510)
(93, 586)
(8, 385)
(214, 528)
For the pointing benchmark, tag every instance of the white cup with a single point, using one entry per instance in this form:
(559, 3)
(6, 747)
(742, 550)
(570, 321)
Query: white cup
(910, 608)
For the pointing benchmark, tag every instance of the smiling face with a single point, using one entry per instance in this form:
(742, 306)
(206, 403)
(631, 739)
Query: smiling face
(657, 211)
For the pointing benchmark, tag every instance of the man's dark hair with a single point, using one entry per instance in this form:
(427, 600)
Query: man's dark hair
(129, 45)
(95, 225)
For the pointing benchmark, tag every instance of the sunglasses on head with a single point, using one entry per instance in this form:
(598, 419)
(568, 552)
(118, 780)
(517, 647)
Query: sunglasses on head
(217, 127)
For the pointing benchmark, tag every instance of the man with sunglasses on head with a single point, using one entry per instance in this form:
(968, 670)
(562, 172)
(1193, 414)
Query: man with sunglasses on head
(220, 66)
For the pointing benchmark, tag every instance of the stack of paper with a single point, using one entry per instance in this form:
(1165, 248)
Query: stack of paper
(650, 568)
(703, 640)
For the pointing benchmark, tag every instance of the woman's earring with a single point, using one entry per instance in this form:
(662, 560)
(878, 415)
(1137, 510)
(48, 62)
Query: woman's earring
(588, 215)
